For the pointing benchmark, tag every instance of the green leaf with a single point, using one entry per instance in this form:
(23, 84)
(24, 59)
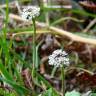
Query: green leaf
(8, 79)
(4, 71)
(93, 94)
(73, 93)
(49, 92)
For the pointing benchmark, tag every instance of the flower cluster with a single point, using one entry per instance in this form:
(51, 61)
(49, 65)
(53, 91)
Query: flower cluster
(30, 12)
(59, 58)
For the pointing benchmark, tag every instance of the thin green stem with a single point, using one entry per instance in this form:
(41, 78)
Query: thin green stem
(7, 17)
(63, 83)
(34, 52)
(5, 29)
(6, 20)
(34, 43)
(66, 18)
(6, 47)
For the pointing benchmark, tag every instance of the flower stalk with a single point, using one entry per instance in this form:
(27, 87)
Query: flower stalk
(34, 43)
(63, 79)
(30, 13)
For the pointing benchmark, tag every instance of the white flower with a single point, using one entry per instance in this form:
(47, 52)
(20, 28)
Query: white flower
(30, 12)
(59, 58)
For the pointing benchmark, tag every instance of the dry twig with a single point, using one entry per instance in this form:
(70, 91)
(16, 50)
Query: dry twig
(54, 30)
(90, 25)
